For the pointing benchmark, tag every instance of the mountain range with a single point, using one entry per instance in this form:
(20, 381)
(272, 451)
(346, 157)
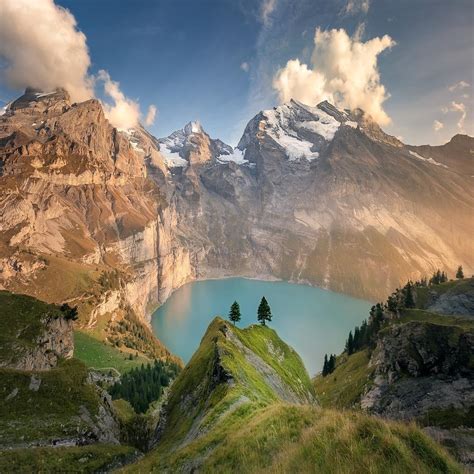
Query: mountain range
(314, 195)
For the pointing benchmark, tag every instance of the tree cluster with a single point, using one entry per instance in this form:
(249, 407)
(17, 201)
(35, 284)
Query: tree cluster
(143, 385)
(438, 277)
(69, 312)
(329, 364)
(264, 312)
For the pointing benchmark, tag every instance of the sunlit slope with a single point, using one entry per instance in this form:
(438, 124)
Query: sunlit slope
(245, 403)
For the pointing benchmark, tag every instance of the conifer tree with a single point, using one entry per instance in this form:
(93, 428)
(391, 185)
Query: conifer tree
(234, 313)
(325, 365)
(332, 363)
(460, 273)
(264, 313)
(409, 298)
(350, 344)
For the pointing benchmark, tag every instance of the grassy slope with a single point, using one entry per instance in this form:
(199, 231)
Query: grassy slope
(96, 458)
(20, 321)
(50, 412)
(454, 287)
(99, 355)
(245, 427)
(352, 375)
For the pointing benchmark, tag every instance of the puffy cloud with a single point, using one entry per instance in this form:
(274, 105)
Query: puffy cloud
(343, 71)
(266, 10)
(437, 125)
(124, 113)
(356, 6)
(245, 66)
(461, 109)
(42, 48)
(150, 116)
(456, 107)
(458, 85)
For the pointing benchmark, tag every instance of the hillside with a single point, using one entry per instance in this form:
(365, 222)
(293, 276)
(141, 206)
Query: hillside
(419, 367)
(245, 403)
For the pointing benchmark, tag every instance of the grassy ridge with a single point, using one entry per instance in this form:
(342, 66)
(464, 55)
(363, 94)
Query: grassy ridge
(95, 458)
(229, 418)
(20, 321)
(52, 410)
(99, 355)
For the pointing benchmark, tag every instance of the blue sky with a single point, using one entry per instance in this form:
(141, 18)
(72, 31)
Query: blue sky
(186, 57)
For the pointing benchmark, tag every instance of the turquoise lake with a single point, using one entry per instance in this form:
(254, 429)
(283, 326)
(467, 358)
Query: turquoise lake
(312, 320)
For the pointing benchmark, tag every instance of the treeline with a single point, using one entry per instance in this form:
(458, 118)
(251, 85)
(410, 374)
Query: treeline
(143, 385)
(365, 335)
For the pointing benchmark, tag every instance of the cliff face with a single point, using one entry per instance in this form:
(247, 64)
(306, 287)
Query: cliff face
(77, 204)
(35, 335)
(311, 194)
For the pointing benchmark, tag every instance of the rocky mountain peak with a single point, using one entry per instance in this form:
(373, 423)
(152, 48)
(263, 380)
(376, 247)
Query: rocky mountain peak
(193, 127)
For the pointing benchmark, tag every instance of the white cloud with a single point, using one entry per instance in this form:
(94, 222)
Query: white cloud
(266, 9)
(245, 66)
(458, 107)
(43, 48)
(356, 6)
(437, 125)
(344, 71)
(124, 113)
(458, 85)
(150, 116)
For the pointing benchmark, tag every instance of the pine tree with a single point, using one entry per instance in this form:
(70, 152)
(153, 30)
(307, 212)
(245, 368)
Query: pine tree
(264, 312)
(332, 363)
(460, 273)
(325, 365)
(234, 313)
(350, 344)
(409, 298)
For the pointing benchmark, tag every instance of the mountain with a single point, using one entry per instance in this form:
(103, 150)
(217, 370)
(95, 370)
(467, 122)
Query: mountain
(113, 221)
(244, 404)
(192, 145)
(324, 196)
(418, 366)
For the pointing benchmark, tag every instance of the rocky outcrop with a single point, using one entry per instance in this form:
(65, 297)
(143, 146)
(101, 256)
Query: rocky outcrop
(420, 368)
(54, 341)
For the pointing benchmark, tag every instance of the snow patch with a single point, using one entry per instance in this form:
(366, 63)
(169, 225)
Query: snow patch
(44, 94)
(284, 123)
(172, 159)
(428, 160)
(351, 124)
(136, 147)
(237, 157)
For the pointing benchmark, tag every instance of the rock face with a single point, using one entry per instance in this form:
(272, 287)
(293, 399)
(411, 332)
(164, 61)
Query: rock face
(420, 367)
(35, 335)
(311, 194)
(55, 342)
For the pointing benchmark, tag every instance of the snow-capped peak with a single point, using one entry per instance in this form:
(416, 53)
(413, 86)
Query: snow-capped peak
(193, 127)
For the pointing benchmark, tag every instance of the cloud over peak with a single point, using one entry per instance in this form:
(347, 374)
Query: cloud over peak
(42, 48)
(343, 71)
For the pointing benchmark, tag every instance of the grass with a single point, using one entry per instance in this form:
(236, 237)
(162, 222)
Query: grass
(51, 412)
(454, 287)
(343, 387)
(21, 322)
(463, 322)
(285, 438)
(95, 458)
(99, 355)
(244, 426)
(449, 418)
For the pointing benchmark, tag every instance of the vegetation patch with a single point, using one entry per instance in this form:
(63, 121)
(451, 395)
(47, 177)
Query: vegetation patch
(45, 405)
(99, 355)
(94, 458)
